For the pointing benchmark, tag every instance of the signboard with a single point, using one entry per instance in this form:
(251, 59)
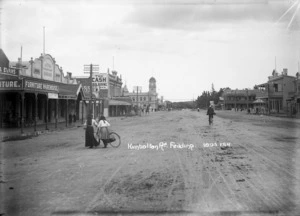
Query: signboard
(10, 71)
(10, 84)
(52, 95)
(100, 82)
(48, 68)
(40, 86)
(86, 89)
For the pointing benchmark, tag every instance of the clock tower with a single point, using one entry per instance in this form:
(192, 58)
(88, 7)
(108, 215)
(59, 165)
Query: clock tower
(152, 85)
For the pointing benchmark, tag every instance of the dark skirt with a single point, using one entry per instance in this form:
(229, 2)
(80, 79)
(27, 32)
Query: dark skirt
(90, 140)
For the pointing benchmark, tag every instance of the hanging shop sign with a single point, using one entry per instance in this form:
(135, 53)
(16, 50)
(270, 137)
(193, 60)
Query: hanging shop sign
(40, 86)
(52, 96)
(10, 84)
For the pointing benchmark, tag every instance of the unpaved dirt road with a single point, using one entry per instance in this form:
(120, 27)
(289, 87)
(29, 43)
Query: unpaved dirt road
(255, 171)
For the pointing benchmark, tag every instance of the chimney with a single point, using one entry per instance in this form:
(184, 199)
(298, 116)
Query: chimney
(69, 75)
(114, 73)
(285, 71)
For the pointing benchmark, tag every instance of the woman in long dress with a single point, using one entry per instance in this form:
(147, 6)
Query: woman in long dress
(103, 132)
(90, 132)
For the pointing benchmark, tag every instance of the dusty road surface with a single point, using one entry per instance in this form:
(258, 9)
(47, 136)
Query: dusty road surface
(169, 163)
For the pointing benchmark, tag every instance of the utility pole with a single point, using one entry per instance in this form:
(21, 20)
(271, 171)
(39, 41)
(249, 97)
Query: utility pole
(91, 88)
(91, 69)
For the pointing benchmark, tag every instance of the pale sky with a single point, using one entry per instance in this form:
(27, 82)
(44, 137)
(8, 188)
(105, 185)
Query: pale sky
(185, 44)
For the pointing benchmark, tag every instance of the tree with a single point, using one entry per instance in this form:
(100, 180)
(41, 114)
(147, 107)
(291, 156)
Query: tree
(204, 100)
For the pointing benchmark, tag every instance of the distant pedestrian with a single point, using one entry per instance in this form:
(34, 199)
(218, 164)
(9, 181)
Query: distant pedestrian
(210, 113)
(74, 118)
(103, 132)
(147, 110)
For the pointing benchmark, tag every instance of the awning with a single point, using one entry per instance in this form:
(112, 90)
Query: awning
(118, 103)
(68, 91)
(259, 101)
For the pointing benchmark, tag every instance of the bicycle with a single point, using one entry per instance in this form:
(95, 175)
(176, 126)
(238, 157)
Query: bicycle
(114, 139)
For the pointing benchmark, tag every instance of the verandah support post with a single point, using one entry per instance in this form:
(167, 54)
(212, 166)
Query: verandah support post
(46, 114)
(22, 111)
(67, 112)
(81, 111)
(35, 111)
(56, 112)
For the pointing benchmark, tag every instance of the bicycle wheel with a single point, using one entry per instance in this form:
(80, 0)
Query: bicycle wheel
(114, 139)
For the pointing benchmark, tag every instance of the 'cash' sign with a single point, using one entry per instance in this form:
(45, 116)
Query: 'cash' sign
(100, 81)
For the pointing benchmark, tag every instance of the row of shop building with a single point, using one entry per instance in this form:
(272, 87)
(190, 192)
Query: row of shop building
(280, 94)
(37, 92)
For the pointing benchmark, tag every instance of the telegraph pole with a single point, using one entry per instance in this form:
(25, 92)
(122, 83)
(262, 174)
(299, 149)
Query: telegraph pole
(91, 69)
(91, 88)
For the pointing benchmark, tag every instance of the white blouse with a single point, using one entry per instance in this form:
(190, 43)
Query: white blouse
(103, 124)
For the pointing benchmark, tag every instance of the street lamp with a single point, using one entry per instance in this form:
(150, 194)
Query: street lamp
(137, 95)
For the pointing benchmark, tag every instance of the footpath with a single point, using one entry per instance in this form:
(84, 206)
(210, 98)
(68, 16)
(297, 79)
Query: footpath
(10, 134)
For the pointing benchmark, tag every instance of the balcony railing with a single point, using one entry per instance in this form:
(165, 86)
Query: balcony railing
(261, 94)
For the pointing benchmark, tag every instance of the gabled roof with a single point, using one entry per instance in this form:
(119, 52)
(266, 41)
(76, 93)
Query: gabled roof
(4, 62)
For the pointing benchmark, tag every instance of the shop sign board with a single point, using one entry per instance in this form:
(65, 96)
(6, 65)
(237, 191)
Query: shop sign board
(10, 71)
(40, 86)
(10, 84)
(100, 81)
(52, 95)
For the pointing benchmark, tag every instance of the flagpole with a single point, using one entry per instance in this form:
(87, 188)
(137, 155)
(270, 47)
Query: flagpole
(44, 40)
